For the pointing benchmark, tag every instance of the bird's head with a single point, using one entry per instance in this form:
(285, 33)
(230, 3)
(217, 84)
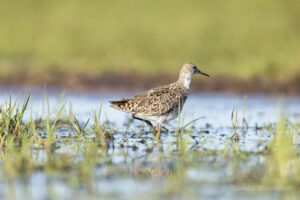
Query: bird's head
(188, 69)
(186, 73)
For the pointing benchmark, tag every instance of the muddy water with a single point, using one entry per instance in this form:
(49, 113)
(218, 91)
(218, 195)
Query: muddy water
(209, 133)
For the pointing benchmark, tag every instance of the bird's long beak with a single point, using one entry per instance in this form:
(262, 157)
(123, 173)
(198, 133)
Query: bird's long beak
(199, 72)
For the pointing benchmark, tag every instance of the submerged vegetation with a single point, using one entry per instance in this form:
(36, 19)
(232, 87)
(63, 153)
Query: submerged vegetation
(83, 157)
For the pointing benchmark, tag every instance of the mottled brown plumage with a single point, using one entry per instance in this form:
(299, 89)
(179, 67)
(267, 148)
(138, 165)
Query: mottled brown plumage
(154, 102)
(162, 103)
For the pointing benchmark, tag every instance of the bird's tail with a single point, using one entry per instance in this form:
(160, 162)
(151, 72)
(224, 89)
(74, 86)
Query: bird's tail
(122, 105)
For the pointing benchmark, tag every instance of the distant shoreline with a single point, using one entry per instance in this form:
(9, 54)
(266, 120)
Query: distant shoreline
(129, 82)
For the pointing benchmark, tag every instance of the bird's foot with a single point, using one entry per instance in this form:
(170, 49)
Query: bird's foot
(162, 129)
(165, 129)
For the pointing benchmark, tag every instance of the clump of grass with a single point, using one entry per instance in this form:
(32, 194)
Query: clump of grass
(280, 169)
(22, 142)
(79, 130)
(235, 121)
(283, 164)
(11, 120)
(51, 125)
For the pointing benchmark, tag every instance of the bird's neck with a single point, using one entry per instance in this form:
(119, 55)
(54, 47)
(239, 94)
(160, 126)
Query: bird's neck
(185, 81)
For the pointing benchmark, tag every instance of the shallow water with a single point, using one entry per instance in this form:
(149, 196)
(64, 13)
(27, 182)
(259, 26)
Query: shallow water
(134, 148)
(215, 108)
(215, 111)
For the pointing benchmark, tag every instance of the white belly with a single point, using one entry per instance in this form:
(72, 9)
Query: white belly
(161, 119)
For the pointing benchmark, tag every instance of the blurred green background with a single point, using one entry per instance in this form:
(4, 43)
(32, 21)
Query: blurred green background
(245, 40)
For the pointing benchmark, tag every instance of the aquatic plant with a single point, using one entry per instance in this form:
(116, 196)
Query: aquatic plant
(79, 155)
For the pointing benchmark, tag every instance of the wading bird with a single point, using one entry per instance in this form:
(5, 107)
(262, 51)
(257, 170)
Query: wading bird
(160, 104)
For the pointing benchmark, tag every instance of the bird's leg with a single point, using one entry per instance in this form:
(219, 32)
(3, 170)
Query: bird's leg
(143, 120)
(165, 129)
(158, 132)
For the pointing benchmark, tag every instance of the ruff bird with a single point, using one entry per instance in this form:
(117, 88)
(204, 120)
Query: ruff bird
(160, 104)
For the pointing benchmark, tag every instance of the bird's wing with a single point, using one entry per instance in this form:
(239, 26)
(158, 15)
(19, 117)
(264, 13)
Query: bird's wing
(159, 100)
